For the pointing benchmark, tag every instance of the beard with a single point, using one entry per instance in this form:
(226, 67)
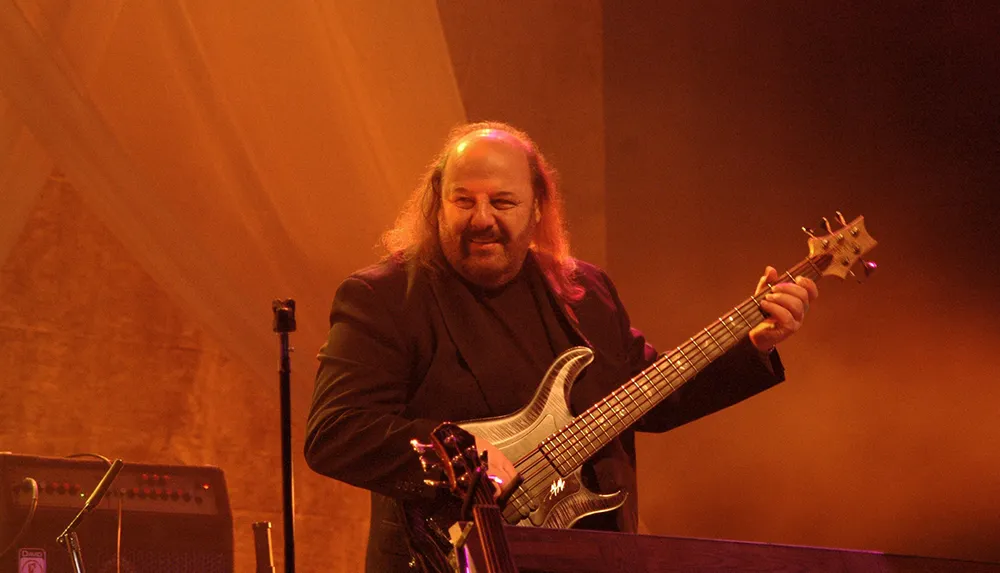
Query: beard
(490, 258)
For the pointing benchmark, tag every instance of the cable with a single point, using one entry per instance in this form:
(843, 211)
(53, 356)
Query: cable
(90, 455)
(118, 545)
(30, 516)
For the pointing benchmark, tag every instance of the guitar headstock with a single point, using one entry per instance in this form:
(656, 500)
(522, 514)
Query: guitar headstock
(452, 450)
(836, 252)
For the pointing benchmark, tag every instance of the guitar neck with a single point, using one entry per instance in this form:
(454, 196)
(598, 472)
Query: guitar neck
(489, 525)
(493, 541)
(579, 440)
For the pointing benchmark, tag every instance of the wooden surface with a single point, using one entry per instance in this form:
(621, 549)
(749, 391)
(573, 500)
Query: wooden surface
(573, 551)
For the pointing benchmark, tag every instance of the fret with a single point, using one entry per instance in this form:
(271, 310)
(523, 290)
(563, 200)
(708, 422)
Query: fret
(517, 500)
(616, 410)
(819, 273)
(623, 405)
(651, 383)
(615, 415)
(551, 446)
(602, 414)
(595, 409)
(721, 349)
(574, 454)
(696, 345)
(790, 277)
(729, 329)
(684, 356)
(631, 399)
(662, 375)
(600, 417)
(737, 309)
(569, 434)
(563, 449)
(674, 366)
(605, 409)
(585, 443)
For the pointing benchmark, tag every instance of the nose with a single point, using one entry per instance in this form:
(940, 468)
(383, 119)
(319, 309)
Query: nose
(483, 216)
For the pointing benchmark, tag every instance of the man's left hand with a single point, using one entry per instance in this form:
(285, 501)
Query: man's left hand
(786, 305)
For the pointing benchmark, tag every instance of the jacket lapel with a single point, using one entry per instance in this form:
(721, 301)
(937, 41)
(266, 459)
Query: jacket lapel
(486, 362)
(457, 305)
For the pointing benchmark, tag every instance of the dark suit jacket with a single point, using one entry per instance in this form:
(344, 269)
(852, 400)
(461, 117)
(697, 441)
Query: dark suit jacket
(400, 358)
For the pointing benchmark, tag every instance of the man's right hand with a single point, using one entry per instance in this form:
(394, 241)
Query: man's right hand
(500, 470)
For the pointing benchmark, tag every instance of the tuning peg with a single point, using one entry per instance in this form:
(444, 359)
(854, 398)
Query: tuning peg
(437, 483)
(840, 218)
(422, 450)
(429, 465)
(809, 232)
(869, 266)
(826, 224)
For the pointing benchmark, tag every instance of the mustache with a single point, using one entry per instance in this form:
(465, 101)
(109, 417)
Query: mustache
(485, 236)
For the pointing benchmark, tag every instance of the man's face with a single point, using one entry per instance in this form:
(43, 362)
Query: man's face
(488, 212)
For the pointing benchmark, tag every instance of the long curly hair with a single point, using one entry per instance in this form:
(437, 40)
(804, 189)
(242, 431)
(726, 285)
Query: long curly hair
(414, 237)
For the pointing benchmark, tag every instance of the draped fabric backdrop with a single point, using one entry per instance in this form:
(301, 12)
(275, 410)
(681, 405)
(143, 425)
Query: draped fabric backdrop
(238, 152)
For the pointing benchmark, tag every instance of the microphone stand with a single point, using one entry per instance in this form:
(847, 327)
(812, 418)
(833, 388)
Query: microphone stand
(284, 322)
(68, 537)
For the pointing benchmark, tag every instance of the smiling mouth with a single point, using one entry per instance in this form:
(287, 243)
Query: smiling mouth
(483, 247)
(485, 240)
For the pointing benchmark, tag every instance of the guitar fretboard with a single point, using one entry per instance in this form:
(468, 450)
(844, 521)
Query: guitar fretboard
(568, 448)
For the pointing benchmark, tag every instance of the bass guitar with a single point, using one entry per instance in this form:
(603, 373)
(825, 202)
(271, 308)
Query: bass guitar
(550, 444)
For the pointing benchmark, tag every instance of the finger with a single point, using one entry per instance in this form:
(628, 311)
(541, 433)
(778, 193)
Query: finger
(796, 291)
(792, 289)
(780, 315)
(770, 276)
(795, 306)
(810, 286)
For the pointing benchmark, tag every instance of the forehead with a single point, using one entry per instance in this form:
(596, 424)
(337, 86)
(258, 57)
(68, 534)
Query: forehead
(488, 154)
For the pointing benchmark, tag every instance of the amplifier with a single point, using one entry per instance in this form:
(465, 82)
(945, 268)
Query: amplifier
(174, 519)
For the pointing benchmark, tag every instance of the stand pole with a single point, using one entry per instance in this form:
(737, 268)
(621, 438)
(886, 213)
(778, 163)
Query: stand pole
(68, 537)
(284, 322)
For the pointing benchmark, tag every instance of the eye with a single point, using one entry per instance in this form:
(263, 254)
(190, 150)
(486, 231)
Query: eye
(463, 202)
(503, 204)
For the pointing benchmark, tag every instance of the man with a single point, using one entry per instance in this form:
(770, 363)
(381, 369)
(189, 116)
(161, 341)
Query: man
(461, 322)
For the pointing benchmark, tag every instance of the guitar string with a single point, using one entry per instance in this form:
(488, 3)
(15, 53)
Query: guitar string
(560, 439)
(606, 410)
(559, 449)
(548, 471)
(561, 443)
(485, 514)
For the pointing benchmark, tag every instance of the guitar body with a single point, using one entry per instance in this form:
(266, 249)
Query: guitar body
(518, 436)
